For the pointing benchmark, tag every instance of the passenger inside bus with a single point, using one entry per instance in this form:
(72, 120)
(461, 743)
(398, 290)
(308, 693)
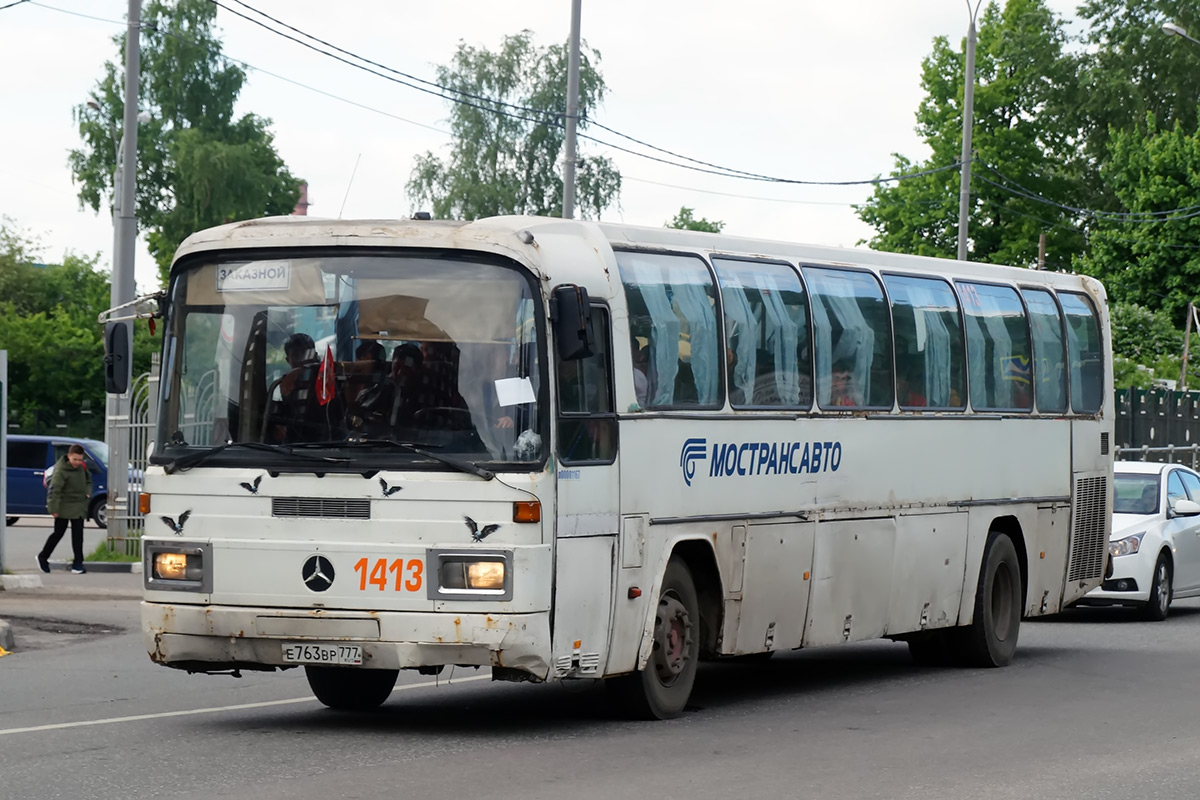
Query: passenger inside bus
(843, 391)
(425, 379)
(295, 412)
(369, 392)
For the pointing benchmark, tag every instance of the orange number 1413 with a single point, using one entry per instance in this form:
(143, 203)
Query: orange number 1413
(408, 574)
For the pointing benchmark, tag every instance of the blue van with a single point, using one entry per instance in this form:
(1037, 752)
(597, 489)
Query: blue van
(29, 457)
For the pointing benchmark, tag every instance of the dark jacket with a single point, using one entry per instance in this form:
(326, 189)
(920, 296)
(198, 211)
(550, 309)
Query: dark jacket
(70, 490)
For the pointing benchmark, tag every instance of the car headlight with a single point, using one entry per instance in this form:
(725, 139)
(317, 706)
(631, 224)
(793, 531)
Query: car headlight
(1127, 546)
(178, 567)
(467, 576)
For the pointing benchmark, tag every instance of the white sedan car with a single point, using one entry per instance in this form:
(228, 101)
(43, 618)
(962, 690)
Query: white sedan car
(1155, 542)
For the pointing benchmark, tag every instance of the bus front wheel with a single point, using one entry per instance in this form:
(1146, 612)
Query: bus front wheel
(991, 638)
(350, 688)
(662, 689)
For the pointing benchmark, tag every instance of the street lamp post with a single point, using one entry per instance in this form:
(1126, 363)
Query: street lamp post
(569, 156)
(964, 181)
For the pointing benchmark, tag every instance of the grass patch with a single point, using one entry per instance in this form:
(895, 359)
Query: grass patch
(106, 552)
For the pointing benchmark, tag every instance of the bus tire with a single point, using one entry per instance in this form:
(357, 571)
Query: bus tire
(991, 638)
(662, 689)
(351, 688)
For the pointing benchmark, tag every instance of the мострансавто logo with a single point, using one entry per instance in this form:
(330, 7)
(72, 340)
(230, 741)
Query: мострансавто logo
(759, 458)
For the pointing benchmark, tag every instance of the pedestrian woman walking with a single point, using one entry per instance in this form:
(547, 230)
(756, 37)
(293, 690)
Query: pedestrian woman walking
(70, 491)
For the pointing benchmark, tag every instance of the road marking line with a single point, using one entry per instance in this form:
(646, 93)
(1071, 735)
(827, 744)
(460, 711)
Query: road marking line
(216, 709)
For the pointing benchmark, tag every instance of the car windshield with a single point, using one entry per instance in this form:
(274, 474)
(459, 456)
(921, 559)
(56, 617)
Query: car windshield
(100, 451)
(440, 352)
(1135, 493)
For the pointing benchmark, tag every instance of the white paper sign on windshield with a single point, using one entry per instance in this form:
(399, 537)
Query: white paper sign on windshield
(257, 276)
(515, 391)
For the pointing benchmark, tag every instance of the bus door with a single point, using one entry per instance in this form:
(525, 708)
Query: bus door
(588, 504)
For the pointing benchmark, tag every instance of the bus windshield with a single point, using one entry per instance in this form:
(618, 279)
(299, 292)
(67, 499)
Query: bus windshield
(357, 351)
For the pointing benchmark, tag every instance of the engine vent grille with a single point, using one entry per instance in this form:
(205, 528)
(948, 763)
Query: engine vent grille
(1104, 443)
(1088, 540)
(320, 508)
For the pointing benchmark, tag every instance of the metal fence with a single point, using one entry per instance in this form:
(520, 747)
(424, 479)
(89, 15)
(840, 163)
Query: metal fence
(126, 535)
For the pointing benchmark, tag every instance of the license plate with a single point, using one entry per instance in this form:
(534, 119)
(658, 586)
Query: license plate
(309, 653)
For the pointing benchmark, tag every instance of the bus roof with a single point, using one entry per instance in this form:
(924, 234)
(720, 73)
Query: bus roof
(502, 236)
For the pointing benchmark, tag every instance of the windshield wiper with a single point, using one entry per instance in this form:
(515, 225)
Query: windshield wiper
(193, 459)
(418, 448)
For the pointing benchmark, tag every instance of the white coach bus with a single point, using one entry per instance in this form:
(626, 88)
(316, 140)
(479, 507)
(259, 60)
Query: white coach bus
(560, 449)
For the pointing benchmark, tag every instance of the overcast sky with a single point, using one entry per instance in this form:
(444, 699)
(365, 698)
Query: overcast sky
(821, 91)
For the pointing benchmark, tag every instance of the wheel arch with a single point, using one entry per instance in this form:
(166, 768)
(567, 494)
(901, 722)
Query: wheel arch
(1011, 526)
(698, 555)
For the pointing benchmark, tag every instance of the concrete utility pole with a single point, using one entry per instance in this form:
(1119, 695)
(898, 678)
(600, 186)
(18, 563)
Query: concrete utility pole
(568, 205)
(3, 451)
(964, 181)
(123, 286)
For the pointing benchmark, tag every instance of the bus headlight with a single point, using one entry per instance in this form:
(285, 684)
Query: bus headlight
(1127, 546)
(469, 576)
(178, 567)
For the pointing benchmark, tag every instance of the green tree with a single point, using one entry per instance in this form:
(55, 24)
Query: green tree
(55, 345)
(1132, 71)
(686, 221)
(1147, 346)
(1025, 85)
(198, 164)
(509, 135)
(1151, 258)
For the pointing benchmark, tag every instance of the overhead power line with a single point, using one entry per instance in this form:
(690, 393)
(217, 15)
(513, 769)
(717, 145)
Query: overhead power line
(553, 119)
(1169, 215)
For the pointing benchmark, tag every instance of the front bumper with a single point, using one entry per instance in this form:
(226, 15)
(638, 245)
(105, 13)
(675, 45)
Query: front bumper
(1137, 569)
(217, 638)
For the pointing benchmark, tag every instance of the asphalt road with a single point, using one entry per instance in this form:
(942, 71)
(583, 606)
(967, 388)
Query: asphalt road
(1097, 705)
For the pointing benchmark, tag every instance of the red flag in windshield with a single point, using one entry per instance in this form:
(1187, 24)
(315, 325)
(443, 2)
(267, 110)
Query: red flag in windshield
(325, 378)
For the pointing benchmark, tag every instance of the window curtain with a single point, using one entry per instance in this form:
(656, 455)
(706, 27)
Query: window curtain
(782, 335)
(702, 329)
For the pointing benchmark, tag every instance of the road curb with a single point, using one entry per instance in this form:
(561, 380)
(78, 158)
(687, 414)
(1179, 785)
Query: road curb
(102, 566)
(21, 581)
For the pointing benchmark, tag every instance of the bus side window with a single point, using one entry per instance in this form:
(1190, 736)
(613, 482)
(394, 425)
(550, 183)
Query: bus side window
(587, 423)
(1087, 357)
(672, 329)
(852, 338)
(1049, 351)
(930, 362)
(998, 354)
(766, 334)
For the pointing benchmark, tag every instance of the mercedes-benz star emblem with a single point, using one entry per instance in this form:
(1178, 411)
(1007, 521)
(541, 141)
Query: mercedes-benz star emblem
(317, 573)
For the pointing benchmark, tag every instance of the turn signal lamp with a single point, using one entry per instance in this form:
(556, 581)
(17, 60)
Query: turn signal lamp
(143, 503)
(527, 511)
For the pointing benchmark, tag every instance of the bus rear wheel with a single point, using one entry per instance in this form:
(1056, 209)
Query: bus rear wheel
(350, 688)
(991, 638)
(662, 689)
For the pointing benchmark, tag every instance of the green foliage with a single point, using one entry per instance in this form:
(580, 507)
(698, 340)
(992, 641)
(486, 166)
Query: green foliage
(1155, 264)
(1025, 85)
(685, 221)
(507, 147)
(105, 551)
(198, 164)
(55, 346)
(1135, 72)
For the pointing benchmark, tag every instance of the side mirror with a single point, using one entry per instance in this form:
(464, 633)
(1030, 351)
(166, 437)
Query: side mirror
(1186, 508)
(116, 358)
(571, 315)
